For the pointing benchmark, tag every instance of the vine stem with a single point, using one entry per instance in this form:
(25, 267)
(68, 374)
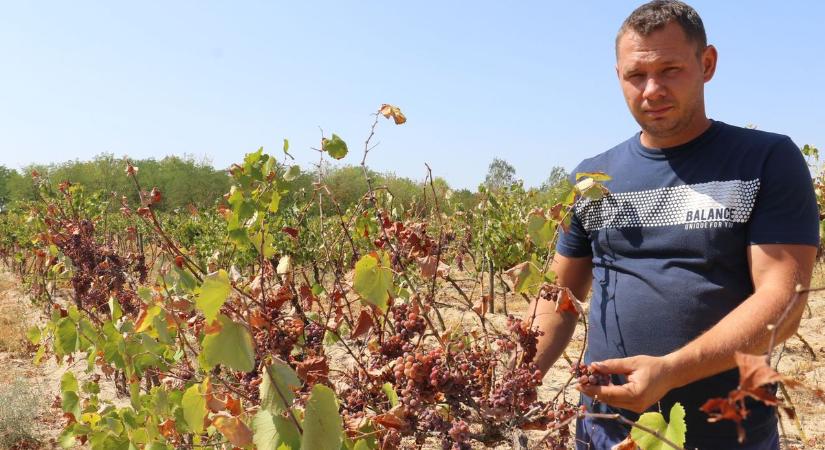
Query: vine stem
(283, 399)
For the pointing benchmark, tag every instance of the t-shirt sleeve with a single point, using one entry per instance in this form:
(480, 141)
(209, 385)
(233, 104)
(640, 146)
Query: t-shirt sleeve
(574, 243)
(786, 211)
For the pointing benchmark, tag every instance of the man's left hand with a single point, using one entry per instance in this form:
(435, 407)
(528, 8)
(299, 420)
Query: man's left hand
(648, 380)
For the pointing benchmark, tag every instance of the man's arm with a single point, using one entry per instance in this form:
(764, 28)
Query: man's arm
(776, 269)
(575, 274)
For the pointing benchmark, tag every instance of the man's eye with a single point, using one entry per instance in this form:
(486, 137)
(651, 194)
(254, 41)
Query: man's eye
(671, 70)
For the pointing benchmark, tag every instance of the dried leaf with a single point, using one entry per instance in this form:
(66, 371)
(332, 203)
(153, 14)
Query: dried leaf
(395, 418)
(481, 306)
(363, 325)
(727, 409)
(167, 428)
(233, 405)
(234, 430)
(313, 369)
(394, 112)
(626, 444)
(428, 267)
(567, 302)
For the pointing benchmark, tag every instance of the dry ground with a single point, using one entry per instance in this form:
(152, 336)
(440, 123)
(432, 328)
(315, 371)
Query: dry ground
(36, 387)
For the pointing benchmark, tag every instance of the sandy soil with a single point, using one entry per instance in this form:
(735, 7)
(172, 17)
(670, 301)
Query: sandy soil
(802, 358)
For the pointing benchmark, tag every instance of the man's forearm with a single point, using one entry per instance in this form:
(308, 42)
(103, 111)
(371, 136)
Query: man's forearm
(557, 327)
(778, 269)
(744, 329)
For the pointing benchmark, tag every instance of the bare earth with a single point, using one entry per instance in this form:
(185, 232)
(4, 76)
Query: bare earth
(801, 359)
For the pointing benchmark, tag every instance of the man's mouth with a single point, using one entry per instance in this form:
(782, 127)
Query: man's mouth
(658, 111)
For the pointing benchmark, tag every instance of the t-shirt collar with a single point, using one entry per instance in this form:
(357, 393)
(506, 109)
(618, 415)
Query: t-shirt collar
(679, 150)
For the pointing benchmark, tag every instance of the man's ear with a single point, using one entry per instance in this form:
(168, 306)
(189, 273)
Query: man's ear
(617, 72)
(709, 58)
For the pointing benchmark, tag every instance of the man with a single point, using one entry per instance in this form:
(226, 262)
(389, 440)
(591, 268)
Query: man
(696, 250)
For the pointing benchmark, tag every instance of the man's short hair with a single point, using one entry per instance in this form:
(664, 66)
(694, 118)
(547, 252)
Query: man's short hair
(654, 15)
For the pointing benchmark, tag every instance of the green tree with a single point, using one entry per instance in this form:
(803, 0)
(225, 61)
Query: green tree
(555, 187)
(500, 174)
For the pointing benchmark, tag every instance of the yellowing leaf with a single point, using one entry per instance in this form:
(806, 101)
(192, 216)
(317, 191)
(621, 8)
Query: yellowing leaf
(194, 407)
(526, 277)
(293, 173)
(335, 146)
(596, 176)
(540, 229)
(373, 279)
(214, 292)
(231, 346)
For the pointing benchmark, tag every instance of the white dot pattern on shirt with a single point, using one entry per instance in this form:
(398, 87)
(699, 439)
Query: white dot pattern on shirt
(669, 205)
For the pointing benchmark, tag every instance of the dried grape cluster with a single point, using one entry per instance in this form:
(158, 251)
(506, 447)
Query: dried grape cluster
(516, 392)
(407, 323)
(586, 375)
(525, 337)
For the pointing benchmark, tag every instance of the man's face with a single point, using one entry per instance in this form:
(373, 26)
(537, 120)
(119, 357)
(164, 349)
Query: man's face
(662, 78)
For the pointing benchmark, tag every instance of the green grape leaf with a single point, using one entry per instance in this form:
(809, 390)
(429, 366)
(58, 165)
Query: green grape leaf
(526, 277)
(274, 432)
(674, 431)
(540, 229)
(286, 148)
(387, 388)
(68, 382)
(361, 445)
(322, 423)
(264, 433)
(214, 292)
(293, 173)
(275, 202)
(33, 335)
(278, 375)
(262, 241)
(335, 146)
(114, 308)
(65, 336)
(194, 407)
(231, 346)
(373, 279)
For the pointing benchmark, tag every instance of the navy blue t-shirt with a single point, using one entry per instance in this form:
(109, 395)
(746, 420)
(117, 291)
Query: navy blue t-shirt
(669, 249)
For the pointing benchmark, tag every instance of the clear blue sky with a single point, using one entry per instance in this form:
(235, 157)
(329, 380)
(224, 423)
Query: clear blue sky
(530, 82)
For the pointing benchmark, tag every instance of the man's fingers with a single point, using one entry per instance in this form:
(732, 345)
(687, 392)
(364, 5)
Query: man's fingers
(618, 396)
(618, 366)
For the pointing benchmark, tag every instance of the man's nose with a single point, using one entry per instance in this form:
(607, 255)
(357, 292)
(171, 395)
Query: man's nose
(654, 88)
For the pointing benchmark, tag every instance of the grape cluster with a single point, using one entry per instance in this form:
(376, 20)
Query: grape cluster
(460, 435)
(587, 376)
(558, 417)
(407, 322)
(281, 338)
(313, 335)
(516, 392)
(429, 420)
(524, 336)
